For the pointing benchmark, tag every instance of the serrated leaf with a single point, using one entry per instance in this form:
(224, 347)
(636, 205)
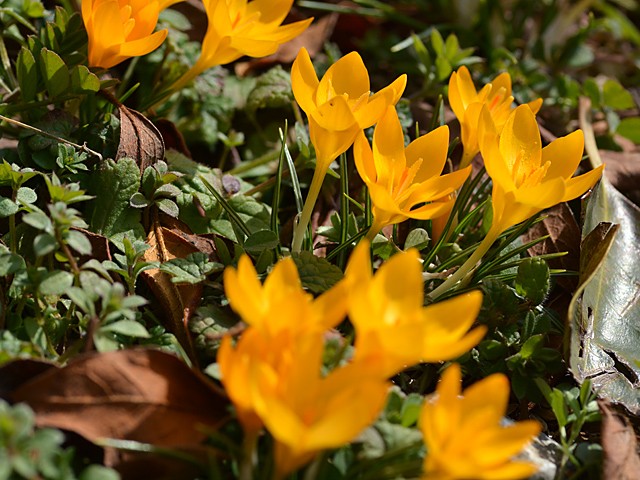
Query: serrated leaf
(115, 183)
(259, 241)
(54, 71)
(605, 312)
(272, 90)
(83, 81)
(27, 72)
(316, 273)
(194, 268)
(532, 279)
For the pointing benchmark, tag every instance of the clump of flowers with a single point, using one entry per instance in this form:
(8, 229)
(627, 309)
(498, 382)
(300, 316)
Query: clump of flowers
(405, 182)
(338, 107)
(464, 432)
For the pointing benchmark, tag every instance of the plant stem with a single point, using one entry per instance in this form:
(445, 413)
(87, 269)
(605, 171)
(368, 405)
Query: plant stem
(467, 266)
(248, 456)
(375, 228)
(307, 209)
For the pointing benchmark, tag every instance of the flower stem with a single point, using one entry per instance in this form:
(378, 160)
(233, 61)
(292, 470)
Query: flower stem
(467, 266)
(307, 209)
(375, 228)
(248, 456)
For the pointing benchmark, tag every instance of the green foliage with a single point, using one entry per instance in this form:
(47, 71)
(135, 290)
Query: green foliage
(28, 453)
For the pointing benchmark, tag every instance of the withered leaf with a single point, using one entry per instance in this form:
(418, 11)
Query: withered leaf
(15, 373)
(177, 302)
(564, 236)
(619, 444)
(139, 139)
(142, 395)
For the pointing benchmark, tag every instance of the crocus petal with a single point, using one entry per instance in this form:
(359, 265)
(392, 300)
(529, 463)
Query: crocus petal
(501, 81)
(370, 113)
(271, 11)
(334, 115)
(388, 137)
(564, 155)
(304, 81)
(329, 144)
(579, 185)
(461, 91)
(535, 105)
(395, 89)
(347, 76)
(363, 158)
(432, 149)
(520, 143)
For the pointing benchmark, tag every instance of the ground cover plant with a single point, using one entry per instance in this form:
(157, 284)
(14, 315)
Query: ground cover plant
(355, 240)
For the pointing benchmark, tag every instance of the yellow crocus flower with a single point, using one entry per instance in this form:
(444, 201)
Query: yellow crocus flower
(240, 27)
(393, 328)
(467, 103)
(400, 179)
(307, 412)
(338, 107)
(121, 29)
(281, 303)
(526, 177)
(464, 435)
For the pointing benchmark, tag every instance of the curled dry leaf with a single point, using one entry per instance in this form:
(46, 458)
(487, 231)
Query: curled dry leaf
(142, 395)
(619, 444)
(139, 139)
(564, 236)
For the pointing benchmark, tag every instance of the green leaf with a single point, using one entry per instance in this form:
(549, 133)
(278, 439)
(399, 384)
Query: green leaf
(44, 244)
(56, 282)
(79, 242)
(262, 240)
(532, 280)
(27, 75)
(615, 96)
(115, 183)
(605, 312)
(316, 273)
(26, 195)
(630, 128)
(54, 71)
(7, 207)
(417, 238)
(138, 200)
(192, 269)
(10, 263)
(38, 221)
(168, 206)
(272, 90)
(130, 328)
(98, 472)
(83, 81)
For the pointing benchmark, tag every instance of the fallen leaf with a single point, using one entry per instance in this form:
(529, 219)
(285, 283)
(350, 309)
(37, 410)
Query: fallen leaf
(177, 302)
(142, 395)
(619, 445)
(623, 171)
(15, 373)
(173, 139)
(139, 139)
(564, 236)
(100, 249)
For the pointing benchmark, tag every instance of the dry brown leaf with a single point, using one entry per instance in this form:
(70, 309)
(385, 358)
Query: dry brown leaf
(177, 302)
(564, 236)
(143, 395)
(139, 139)
(15, 373)
(619, 444)
(623, 171)
(100, 249)
(173, 139)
